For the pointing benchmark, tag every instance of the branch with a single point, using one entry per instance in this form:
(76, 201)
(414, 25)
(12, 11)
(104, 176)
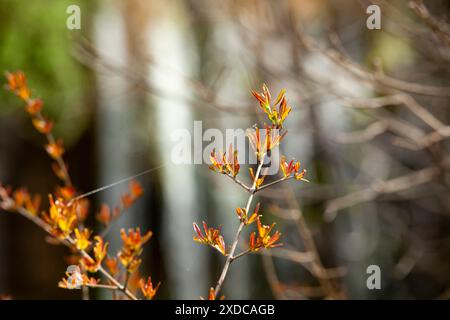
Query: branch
(236, 238)
(306, 259)
(373, 130)
(51, 140)
(377, 78)
(378, 188)
(272, 278)
(273, 183)
(399, 99)
(9, 204)
(102, 286)
(234, 179)
(243, 253)
(440, 28)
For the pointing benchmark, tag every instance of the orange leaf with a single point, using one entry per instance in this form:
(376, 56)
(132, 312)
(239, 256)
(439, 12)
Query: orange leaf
(127, 200)
(112, 265)
(147, 288)
(104, 216)
(34, 106)
(42, 125)
(135, 189)
(55, 150)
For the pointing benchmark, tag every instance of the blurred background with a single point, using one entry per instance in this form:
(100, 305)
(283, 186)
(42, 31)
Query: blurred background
(369, 123)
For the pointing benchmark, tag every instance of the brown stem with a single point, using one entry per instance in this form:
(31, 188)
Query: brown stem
(243, 253)
(318, 268)
(236, 238)
(106, 273)
(59, 160)
(102, 286)
(115, 282)
(9, 204)
(239, 183)
(125, 284)
(270, 184)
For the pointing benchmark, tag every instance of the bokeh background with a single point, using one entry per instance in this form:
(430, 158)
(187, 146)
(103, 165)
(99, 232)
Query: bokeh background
(369, 124)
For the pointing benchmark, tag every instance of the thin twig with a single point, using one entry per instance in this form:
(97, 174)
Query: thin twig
(440, 28)
(102, 286)
(125, 284)
(106, 273)
(243, 253)
(378, 78)
(9, 204)
(270, 184)
(236, 238)
(271, 275)
(377, 188)
(236, 180)
(51, 140)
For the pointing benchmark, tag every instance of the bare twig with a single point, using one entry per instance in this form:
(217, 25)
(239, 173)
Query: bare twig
(272, 278)
(378, 188)
(440, 28)
(270, 184)
(365, 135)
(243, 253)
(236, 180)
(377, 78)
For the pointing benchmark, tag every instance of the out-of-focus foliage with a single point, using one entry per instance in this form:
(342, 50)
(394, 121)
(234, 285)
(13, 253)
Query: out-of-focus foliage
(35, 39)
